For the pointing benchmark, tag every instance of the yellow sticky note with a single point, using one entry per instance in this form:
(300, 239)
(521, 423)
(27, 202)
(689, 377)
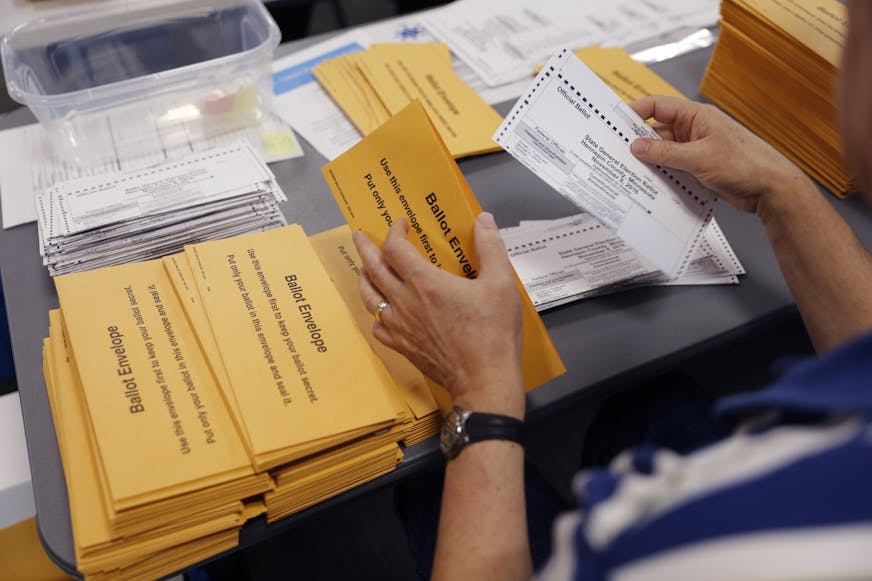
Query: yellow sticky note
(280, 143)
(404, 170)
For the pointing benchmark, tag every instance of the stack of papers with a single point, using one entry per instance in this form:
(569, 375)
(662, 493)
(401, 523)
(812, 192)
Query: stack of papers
(373, 85)
(503, 40)
(31, 165)
(146, 213)
(130, 391)
(774, 69)
(568, 259)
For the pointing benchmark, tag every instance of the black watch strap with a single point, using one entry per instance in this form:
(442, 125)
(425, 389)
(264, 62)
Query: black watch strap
(481, 426)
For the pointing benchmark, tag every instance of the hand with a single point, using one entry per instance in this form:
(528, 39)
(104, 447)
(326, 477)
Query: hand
(724, 156)
(464, 334)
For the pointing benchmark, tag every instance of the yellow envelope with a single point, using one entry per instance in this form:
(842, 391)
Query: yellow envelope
(148, 391)
(349, 88)
(303, 375)
(404, 170)
(401, 73)
(339, 257)
(819, 25)
(628, 78)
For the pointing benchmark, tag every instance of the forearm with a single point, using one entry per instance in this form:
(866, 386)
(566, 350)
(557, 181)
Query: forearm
(483, 523)
(827, 269)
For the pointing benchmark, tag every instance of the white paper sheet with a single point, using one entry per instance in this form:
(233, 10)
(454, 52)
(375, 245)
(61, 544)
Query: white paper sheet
(504, 40)
(30, 165)
(567, 259)
(300, 100)
(413, 29)
(572, 131)
(147, 213)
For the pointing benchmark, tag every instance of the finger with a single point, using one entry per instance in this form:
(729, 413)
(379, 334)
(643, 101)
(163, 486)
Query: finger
(380, 274)
(683, 156)
(369, 293)
(401, 255)
(493, 260)
(386, 336)
(664, 131)
(664, 108)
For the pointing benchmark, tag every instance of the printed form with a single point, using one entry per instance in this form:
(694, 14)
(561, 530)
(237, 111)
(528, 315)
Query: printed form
(504, 40)
(30, 165)
(572, 131)
(576, 257)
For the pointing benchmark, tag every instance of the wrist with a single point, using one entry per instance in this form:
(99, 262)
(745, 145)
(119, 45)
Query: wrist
(783, 195)
(501, 394)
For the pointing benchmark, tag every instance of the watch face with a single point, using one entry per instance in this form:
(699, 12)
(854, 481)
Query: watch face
(453, 435)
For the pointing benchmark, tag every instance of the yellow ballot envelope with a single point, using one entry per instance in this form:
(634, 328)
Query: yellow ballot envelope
(371, 86)
(403, 170)
(628, 78)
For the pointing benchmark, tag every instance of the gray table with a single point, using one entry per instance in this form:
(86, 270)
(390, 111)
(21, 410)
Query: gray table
(605, 342)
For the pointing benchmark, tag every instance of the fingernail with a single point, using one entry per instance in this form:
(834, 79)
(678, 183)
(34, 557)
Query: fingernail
(487, 219)
(640, 146)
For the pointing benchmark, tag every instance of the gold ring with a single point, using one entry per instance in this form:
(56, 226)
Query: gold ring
(379, 309)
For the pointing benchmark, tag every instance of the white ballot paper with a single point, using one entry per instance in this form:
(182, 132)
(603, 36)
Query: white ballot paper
(150, 212)
(563, 260)
(572, 131)
(30, 165)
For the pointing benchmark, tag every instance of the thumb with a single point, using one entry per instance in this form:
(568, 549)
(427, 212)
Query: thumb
(493, 260)
(681, 156)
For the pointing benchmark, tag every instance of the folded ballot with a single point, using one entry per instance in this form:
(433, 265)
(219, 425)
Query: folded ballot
(373, 85)
(573, 132)
(567, 259)
(147, 213)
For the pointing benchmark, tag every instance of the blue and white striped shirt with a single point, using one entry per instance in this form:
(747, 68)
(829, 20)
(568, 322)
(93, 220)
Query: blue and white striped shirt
(787, 496)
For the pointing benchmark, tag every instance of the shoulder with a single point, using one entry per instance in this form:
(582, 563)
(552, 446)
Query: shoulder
(760, 499)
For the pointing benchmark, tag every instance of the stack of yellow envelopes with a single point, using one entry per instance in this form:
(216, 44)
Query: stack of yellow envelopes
(177, 384)
(774, 69)
(372, 86)
(155, 470)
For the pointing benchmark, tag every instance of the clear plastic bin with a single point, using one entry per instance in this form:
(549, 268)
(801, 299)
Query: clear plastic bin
(127, 77)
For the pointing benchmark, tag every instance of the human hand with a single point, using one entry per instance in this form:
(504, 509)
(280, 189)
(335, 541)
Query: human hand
(465, 334)
(724, 156)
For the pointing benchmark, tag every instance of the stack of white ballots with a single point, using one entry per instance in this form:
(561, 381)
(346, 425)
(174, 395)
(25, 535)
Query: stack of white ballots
(148, 213)
(568, 259)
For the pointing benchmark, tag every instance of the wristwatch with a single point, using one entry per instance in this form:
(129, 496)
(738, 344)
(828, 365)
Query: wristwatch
(464, 427)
